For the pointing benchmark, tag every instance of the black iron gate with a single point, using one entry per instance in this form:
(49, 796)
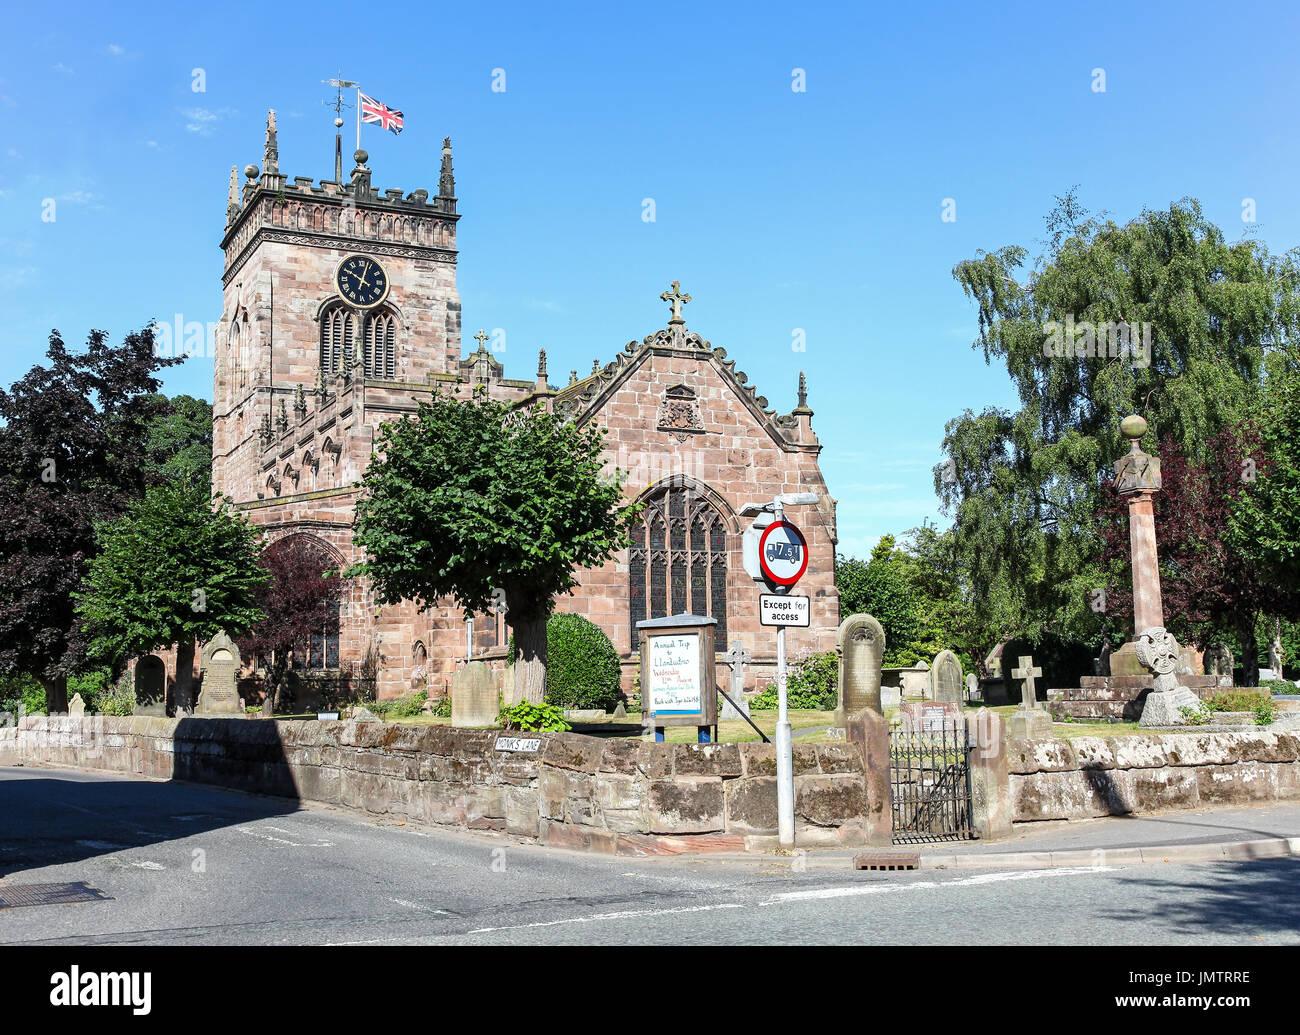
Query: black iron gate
(930, 773)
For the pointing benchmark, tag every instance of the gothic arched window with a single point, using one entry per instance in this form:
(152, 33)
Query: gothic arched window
(678, 561)
(338, 331)
(381, 344)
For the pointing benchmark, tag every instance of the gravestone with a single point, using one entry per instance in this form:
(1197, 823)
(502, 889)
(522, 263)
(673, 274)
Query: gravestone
(972, 685)
(946, 677)
(930, 716)
(77, 707)
(150, 681)
(861, 647)
(1219, 660)
(509, 695)
(738, 657)
(1158, 652)
(1031, 720)
(474, 696)
(219, 666)
(363, 714)
(915, 681)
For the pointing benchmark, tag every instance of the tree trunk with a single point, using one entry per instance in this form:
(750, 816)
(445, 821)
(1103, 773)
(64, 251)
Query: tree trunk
(56, 694)
(1275, 658)
(1249, 653)
(530, 659)
(185, 678)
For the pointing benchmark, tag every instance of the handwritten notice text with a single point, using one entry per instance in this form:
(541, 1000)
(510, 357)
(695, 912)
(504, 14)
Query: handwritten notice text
(674, 683)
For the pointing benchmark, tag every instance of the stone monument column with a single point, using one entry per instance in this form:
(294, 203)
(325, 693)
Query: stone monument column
(1137, 478)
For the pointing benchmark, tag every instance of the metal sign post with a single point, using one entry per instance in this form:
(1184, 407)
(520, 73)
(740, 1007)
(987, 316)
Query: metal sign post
(782, 561)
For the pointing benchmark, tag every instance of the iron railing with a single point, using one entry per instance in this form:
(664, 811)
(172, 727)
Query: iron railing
(930, 773)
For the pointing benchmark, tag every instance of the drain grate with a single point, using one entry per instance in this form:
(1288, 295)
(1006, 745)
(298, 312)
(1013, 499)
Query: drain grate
(887, 861)
(14, 895)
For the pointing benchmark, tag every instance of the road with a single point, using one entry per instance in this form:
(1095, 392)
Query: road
(184, 864)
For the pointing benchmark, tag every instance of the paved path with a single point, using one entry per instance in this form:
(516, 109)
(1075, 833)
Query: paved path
(185, 864)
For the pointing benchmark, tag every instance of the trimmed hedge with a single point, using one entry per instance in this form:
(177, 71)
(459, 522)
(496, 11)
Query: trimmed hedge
(811, 684)
(582, 668)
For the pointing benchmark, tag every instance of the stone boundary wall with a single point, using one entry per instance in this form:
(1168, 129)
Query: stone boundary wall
(1116, 776)
(628, 797)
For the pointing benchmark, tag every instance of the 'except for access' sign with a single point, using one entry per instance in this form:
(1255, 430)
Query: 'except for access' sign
(778, 609)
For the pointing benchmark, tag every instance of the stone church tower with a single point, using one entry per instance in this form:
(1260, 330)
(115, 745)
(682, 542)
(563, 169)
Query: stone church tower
(340, 311)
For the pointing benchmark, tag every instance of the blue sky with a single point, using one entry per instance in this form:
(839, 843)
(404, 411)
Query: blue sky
(776, 209)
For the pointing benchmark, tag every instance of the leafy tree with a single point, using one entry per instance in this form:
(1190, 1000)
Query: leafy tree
(72, 432)
(1267, 517)
(1024, 486)
(171, 569)
(469, 497)
(300, 599)
(881, 588)
(180, 440)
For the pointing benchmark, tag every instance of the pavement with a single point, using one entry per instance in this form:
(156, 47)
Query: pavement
(179, 863)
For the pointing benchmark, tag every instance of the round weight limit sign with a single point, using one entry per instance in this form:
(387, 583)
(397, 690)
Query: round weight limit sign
(782, 554)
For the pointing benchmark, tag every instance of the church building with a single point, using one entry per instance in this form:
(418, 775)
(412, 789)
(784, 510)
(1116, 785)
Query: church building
(340, 311)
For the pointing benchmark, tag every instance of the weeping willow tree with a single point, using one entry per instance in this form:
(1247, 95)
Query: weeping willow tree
(1160, 315)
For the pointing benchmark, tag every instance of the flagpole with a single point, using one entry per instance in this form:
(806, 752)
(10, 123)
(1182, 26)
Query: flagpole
(358, 118)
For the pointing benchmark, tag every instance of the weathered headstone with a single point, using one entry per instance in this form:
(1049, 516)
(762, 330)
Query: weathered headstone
(150, 680)
(220, 664)
(946, 677)
(510, 696)
(1031, 720)
(1219, 660)
(474, 696)
(737, 657)
(930, 716)
(861, 646)
(972, 685)
(363, 714)
(77, 707)
(1158, 652)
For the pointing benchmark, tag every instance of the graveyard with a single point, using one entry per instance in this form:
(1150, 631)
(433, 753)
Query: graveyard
(655, 478)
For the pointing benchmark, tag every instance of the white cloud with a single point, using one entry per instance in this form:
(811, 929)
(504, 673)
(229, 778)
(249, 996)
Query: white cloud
(77, 197)
(116, 50)
(16, 276)
(204, 120)
(65, 69)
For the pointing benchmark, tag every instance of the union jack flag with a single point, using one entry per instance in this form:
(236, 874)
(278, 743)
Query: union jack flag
(373, 111)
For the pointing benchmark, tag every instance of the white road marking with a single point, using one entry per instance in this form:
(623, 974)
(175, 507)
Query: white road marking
(623, 915)
(147, 865)
(282, 841)
(884, 889)
(416, 905)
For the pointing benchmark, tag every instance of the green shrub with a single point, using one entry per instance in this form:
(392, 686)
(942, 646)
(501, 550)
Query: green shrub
(533, 718)
(582, 668)
(811, 684)
(401, 707)
(21, 693)
(1235, 700)
(1265, 712)
(1195, 716)
(441, 708)
(115, 698)
(1279, 686)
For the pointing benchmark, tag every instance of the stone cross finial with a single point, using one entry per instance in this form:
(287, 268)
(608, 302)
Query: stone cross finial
(481, 338)
(595, 367)
(1027, 671)
(676, 299)
(541, 364)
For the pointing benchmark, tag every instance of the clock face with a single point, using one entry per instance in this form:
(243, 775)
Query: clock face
(361, 281)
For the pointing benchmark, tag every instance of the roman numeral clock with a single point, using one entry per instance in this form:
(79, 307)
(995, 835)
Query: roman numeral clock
(361, 281)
